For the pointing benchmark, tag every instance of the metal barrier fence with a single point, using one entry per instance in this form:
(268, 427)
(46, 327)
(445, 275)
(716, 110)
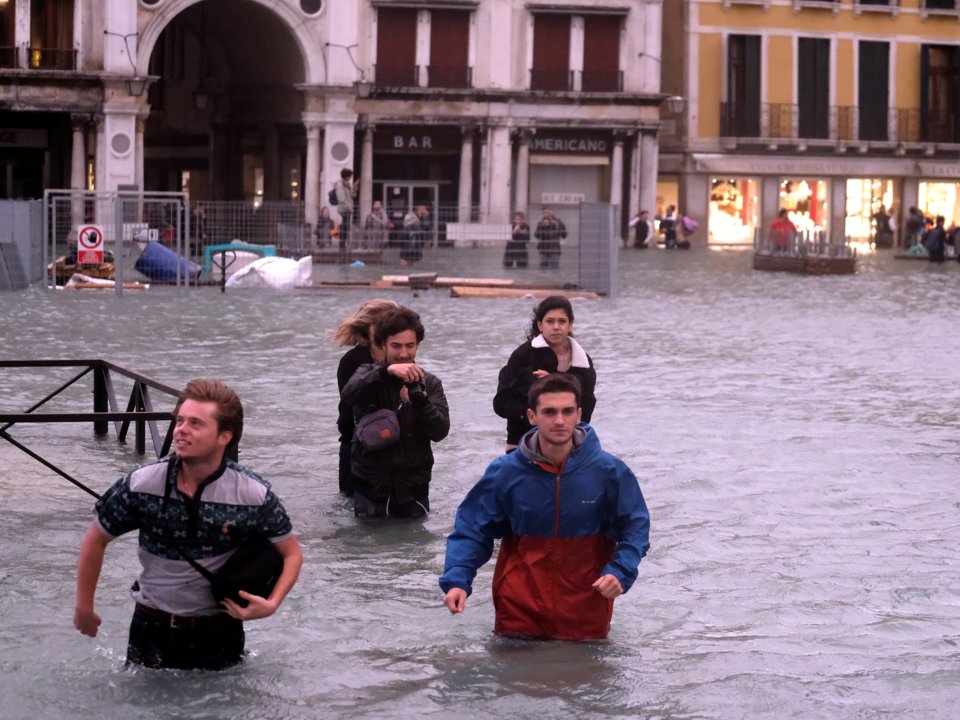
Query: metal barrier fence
(164, 239)
(130, 230)
(140, 411)
(802, 244)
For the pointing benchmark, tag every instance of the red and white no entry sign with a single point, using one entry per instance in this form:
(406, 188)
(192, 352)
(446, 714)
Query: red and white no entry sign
(90, 244)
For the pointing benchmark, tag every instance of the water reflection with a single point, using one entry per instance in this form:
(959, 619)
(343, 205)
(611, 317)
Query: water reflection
(793, 435)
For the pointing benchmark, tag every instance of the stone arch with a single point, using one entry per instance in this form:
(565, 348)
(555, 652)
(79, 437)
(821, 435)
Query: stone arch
(157, 20)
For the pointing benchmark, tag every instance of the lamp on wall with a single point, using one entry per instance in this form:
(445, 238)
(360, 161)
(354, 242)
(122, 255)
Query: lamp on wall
(363, 88)
(675, 104)
(136, 85)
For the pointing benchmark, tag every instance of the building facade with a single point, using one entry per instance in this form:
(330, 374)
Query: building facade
(828, 108)
(488, 107)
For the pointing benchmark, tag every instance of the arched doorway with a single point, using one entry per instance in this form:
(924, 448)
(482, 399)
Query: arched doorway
(225, 120)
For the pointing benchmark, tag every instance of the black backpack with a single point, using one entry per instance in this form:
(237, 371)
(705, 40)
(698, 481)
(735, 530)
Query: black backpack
(332, 196)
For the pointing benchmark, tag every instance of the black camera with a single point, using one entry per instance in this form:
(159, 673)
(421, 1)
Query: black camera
(417, 392)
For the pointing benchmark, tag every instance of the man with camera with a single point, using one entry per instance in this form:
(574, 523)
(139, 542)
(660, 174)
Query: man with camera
(392, 469)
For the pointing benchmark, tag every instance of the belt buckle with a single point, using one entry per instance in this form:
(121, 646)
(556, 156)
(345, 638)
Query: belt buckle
(179, 623)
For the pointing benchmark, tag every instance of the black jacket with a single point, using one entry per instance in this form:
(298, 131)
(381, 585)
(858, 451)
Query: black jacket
(351, 360)
(516, 377)
(402, 471)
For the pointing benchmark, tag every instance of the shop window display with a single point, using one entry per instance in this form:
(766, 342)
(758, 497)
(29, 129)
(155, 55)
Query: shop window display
(866, 197)
(806, 203)
(733, 210)
(939, 198)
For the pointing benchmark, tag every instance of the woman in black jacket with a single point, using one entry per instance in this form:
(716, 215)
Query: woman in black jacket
(549, 349)
(356, 330)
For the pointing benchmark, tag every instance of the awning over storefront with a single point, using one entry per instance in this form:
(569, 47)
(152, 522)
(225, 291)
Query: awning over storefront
(836, 166)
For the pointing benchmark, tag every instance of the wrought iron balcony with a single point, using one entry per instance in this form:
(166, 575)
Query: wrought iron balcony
(449, 76)
(778, 123)
(396, 75)
(556, 80)
(601, 81)
(9, 57)
(51, 59)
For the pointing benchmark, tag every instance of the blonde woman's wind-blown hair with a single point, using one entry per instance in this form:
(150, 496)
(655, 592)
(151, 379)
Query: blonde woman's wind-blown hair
(353, 330)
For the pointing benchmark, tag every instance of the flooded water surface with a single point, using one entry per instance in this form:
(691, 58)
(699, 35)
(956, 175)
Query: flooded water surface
(795, 437)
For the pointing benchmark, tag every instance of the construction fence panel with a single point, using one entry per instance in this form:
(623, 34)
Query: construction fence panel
(166, 239)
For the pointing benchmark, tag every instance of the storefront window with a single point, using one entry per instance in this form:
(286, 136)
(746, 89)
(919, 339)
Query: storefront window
(805, 199)
(733, 210)
(865, 198)
(668, 193)
(939, 198)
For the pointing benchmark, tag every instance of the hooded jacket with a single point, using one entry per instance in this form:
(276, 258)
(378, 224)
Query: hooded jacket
(560, 530)
(516, 377)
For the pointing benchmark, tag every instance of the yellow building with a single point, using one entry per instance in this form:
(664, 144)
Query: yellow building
(830, 109)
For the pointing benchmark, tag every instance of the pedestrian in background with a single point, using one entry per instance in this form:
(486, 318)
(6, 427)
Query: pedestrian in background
(550, 348)
(355, 331)
(550, 231)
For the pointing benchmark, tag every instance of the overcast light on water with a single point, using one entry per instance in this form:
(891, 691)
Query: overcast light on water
(796, 439)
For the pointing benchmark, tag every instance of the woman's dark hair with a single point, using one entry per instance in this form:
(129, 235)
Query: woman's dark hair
(553, 383)
(397, 321)
(554, 302)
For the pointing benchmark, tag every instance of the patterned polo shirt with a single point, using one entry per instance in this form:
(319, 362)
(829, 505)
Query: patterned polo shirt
(229, 505)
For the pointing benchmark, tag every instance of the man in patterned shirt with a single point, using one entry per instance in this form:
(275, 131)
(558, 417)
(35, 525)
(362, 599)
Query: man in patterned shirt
(197, 502)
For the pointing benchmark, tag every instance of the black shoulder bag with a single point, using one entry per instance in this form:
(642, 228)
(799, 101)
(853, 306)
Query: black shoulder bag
(255, 565)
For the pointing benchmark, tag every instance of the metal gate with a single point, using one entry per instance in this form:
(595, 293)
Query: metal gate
(136, 228)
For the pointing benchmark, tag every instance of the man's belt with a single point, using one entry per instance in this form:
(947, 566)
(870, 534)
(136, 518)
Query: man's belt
(180, 622)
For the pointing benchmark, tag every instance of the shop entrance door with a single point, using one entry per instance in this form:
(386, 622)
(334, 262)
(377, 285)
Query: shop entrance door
(400, 197)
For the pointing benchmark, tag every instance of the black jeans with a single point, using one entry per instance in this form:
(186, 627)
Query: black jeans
(364, 506)
(159, 641)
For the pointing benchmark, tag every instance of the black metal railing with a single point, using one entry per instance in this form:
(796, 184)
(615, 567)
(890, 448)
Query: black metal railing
(601, 81)
(449, 76)
(843, 124)
(555, 80)
(396, 75)
(738, 122)
(9, 57)
(51, 58)
(140, 410)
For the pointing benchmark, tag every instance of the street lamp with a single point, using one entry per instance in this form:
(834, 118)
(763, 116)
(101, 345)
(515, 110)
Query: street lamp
(674, 104)
(136, 86)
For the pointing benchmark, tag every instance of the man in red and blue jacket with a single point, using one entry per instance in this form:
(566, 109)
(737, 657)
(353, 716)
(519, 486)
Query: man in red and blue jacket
(571, 518)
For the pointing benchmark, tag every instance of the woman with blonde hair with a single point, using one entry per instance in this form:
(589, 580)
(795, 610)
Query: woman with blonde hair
(355, 331)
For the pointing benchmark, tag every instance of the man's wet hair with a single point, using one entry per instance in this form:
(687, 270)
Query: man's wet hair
(553, 383)
(397, 321)
(229, 413)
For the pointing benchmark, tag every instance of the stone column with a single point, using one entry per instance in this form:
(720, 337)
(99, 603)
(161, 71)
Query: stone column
(366, 176)
(522, 190)
(138, 149)
(99, 159)
(616, 171)
(311, 198)
(78, 162)
(465, 197)
(501, 159)
(484, 174)
(649, 160)
(633, 202)
(78, 157)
